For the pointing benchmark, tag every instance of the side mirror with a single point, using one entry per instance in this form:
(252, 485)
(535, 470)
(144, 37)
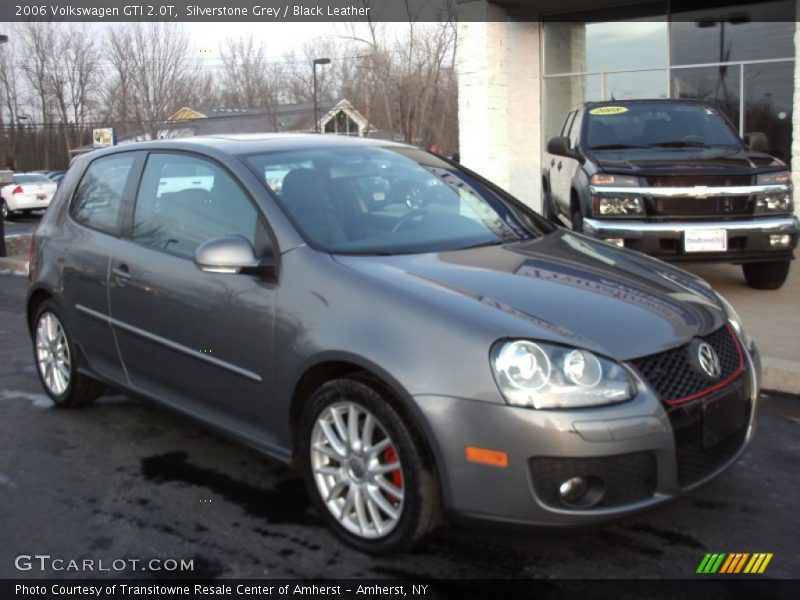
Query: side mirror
(232, 254)
(559, 145)
(757, 141)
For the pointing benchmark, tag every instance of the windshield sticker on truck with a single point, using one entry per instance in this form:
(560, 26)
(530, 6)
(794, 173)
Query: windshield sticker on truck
(608, 110)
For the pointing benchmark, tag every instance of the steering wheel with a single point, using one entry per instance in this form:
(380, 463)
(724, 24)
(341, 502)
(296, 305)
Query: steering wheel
(692, 137)
(406, 218)
(410, 193)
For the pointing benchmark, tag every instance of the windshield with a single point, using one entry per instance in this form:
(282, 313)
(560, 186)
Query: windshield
(657, 125)
(372, 200)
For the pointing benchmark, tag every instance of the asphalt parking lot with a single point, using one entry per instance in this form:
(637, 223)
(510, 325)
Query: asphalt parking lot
(128, 479)
(22, 224)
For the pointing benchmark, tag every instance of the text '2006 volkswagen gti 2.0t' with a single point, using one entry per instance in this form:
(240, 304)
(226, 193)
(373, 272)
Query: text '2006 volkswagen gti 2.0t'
(415, 341)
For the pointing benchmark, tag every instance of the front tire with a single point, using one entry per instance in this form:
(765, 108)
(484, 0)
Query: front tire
(366, 467)
(577, 220)
(56, 361)
(766, 275)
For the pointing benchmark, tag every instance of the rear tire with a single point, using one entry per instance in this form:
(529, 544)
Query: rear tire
(56, 361)
(351, 485)
(5, 212)
(766, 275)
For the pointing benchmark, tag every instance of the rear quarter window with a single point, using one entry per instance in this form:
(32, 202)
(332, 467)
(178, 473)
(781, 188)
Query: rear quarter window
(97, 202)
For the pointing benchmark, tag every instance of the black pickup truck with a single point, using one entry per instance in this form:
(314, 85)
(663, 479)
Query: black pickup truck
(672, 178)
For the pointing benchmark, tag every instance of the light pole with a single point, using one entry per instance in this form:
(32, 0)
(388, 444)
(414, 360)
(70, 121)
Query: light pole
(317, 61)
(3, 40)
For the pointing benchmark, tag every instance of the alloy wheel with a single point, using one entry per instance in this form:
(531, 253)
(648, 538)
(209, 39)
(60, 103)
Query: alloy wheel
(357, 470)
(52, 353)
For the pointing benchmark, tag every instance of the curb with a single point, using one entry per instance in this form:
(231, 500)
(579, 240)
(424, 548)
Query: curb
(13, 265)
(780, 375)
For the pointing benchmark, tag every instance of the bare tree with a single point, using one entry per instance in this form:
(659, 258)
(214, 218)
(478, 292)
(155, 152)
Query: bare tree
(9, 112)
(154, 72)
(38, 42)
(74, 76)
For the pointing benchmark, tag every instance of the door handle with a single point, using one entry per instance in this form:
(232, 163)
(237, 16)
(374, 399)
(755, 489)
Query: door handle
(552, 161)
(121, 274)
(558, 166)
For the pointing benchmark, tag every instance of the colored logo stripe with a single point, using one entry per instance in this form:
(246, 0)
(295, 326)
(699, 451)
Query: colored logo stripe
(733, 563)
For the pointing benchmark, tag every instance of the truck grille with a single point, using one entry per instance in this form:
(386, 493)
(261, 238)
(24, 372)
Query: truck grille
(675, 379)
(693, 180)
(703, 207)
(690, 207)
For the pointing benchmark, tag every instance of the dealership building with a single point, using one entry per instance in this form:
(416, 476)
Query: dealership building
(523, 64)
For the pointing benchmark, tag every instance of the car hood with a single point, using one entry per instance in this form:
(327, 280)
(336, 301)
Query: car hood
(564, 288)
(684, 161)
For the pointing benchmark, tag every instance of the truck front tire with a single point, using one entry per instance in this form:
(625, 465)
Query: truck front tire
(766, 275)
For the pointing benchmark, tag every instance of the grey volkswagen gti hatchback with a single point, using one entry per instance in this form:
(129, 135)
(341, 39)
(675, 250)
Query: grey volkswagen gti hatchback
(415, 341)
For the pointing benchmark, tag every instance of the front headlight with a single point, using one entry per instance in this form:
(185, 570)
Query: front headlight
(615, 206)
(539, 375)
(777, 202)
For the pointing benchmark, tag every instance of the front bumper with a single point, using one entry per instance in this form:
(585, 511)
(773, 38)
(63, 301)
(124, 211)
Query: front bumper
(748, 240)
(622, 442)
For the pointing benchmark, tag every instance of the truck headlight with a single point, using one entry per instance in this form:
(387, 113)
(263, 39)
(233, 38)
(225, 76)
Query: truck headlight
(776, 202)
(609, 205)
(540, 375)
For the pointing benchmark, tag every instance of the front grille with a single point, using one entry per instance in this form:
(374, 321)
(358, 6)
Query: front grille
(703, 207)
(674, 376)
(691, 207)
(626, 478)
(693, 180)
(694, 459)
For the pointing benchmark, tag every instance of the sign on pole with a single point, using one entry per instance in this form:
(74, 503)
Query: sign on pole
(104, 137)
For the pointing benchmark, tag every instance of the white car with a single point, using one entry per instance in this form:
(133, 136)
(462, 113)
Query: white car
(30, 191)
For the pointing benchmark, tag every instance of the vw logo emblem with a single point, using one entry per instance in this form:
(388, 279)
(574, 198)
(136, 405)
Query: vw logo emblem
(709, 361)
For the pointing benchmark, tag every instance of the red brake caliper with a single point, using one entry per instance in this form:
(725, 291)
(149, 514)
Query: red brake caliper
(390, 456)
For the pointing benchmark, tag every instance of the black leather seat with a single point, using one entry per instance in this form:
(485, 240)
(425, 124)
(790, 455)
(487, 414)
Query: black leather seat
(305, 194)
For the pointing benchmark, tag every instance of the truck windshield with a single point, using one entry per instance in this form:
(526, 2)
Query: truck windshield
(394, 200)
(657, 125)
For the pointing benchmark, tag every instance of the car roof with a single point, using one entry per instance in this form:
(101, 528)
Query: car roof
(248, 143)
(594, 103)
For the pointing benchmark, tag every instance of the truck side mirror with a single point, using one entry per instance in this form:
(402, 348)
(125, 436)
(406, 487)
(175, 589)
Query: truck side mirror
(559, 145)
(757, 141)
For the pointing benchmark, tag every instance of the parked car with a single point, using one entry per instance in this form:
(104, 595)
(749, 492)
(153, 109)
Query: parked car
(57, 177)
(673, 179)
(28, 192)
(53, 174)
(458, 356)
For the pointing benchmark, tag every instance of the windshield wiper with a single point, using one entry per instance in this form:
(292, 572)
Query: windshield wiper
(679, 144)
(491, 243)
(615, 147)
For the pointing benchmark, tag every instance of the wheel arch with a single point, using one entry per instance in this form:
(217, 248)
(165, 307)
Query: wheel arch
(329, 367)
(36, 296)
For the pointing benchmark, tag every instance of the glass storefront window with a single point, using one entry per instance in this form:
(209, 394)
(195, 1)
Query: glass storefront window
(595, 47)
(768, 90)
(637, 84)
(756, 31)
(718, 86)
(562, 94)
